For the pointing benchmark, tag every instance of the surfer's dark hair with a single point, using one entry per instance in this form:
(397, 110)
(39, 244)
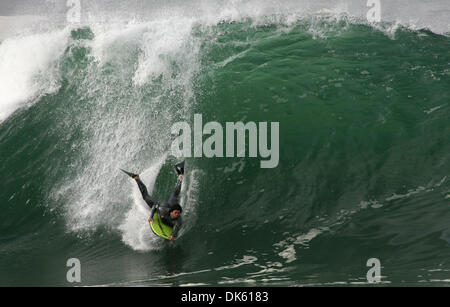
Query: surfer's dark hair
(176, 207)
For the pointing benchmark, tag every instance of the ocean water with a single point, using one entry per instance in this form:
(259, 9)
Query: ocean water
(364, 165)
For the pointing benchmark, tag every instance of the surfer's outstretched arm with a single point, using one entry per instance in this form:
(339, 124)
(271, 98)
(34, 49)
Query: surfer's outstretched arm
(176, 192)
(151, 202)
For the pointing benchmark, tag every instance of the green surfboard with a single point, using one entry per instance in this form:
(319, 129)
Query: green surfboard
(159, 228)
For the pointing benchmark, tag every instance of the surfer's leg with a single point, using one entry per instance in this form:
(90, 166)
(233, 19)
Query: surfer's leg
(176, 192)
(148, 199)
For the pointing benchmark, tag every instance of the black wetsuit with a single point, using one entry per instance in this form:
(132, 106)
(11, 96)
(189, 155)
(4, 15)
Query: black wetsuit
(163, 208)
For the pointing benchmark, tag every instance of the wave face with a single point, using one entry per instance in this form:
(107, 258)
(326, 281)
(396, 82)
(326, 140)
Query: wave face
(363, 169)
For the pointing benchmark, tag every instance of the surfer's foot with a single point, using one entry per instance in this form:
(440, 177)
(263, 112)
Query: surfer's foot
(180, 168)
(134, 176)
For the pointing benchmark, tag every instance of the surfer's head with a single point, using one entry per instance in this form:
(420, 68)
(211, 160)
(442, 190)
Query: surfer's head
(175, 211)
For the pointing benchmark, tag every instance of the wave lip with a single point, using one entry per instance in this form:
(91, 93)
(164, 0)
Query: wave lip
(29, 68)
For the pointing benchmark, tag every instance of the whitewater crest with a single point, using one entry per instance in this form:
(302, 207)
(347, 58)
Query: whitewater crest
(30, 68)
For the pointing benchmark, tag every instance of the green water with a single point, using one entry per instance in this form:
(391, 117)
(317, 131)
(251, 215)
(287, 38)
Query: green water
(363, 169)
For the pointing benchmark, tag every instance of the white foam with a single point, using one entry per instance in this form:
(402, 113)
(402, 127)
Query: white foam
(165, 42)
(107, 36)
(246, 259)
(420, 14)
(304, 239)
(193, 284)
(29, 68)
(288, 254)
(406, 195)
(429, 111)
(190, 193)
(160, 43)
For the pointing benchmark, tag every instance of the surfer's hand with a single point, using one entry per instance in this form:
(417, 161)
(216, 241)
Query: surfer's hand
(150, 219)
(172, 238)
(180, 176)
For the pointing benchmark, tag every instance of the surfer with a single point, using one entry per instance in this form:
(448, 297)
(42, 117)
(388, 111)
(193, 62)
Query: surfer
(169, 212)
